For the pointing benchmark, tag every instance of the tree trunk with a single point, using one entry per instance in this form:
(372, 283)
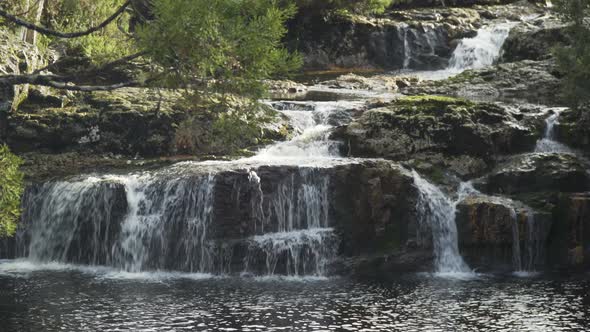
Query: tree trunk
(32, 34)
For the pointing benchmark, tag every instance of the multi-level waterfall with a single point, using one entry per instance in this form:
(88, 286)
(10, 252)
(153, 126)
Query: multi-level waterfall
(175, 219)
(232, 217)
(436, 211)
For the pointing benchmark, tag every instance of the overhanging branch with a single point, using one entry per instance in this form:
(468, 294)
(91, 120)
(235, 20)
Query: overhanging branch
(59, 34)
(58, 82)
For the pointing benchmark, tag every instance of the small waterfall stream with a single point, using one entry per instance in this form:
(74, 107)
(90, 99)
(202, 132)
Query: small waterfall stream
(548, 142)
(482, 50)
(437, 212)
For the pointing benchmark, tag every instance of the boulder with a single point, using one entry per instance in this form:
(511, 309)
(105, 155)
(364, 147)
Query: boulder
(534, 81)
(420, 128)
(533, 42)
(573, 128)
(537, 172)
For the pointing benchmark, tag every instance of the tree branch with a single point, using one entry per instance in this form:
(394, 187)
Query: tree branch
(54, 82)
(59, 34)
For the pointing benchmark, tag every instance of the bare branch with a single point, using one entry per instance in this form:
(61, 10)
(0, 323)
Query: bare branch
(58, 82)
(59, 34)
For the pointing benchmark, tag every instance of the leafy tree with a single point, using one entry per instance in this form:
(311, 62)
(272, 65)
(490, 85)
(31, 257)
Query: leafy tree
(215, 46)
(11, 189)
(574, 60)
(219, 46)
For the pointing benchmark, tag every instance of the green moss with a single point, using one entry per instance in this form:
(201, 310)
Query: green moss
(431, 105)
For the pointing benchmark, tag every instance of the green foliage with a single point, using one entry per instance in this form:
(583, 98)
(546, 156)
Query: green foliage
(108, 44)
(11, 189)
(351, 6)
(574, 60)
(223, 132)
(218, 46)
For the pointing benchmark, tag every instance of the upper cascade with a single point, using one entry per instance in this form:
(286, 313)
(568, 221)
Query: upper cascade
(482, 50)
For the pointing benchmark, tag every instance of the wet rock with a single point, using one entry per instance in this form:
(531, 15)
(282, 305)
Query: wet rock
(534, 81)
(535, 40)
(538, 172)
(285, 87)
(419, 128)
(499, 233)
(573, 128)
(570, 241)
(362, 42)
(375, 83)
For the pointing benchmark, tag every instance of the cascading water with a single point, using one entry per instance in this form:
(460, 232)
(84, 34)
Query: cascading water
(58, 215)
(525, 261)
(166, 225)
(162, 226)
(482, 50)
(548, 142)
(437, 212)
(313, 122)
(299, 209)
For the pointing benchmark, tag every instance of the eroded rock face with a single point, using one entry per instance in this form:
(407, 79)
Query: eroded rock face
(538, 172)
(528, 42)
(422, 127)
(417, 39)
(534, 81)
(573, 128)
(570, 243)
(499, 233)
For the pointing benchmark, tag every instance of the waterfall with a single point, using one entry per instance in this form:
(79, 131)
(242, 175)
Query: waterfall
(156, 222)
(166, 225)
(482, 50)
(162, 226)
(407, 50)
(301, 240)
(548, 142)
(437, 211)
(295, 253)
(516, 255)
(58, 215)
(311, 121)
(525, 261)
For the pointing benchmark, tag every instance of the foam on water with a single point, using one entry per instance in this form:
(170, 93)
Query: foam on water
(23, 267)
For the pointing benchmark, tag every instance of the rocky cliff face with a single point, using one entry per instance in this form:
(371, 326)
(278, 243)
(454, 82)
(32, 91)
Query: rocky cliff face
(415, 39)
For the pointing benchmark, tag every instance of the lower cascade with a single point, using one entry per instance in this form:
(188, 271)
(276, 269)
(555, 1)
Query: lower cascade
(437, 212)
(149, 222)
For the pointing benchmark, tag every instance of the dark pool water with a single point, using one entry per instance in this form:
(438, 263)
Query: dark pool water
(62, 298)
